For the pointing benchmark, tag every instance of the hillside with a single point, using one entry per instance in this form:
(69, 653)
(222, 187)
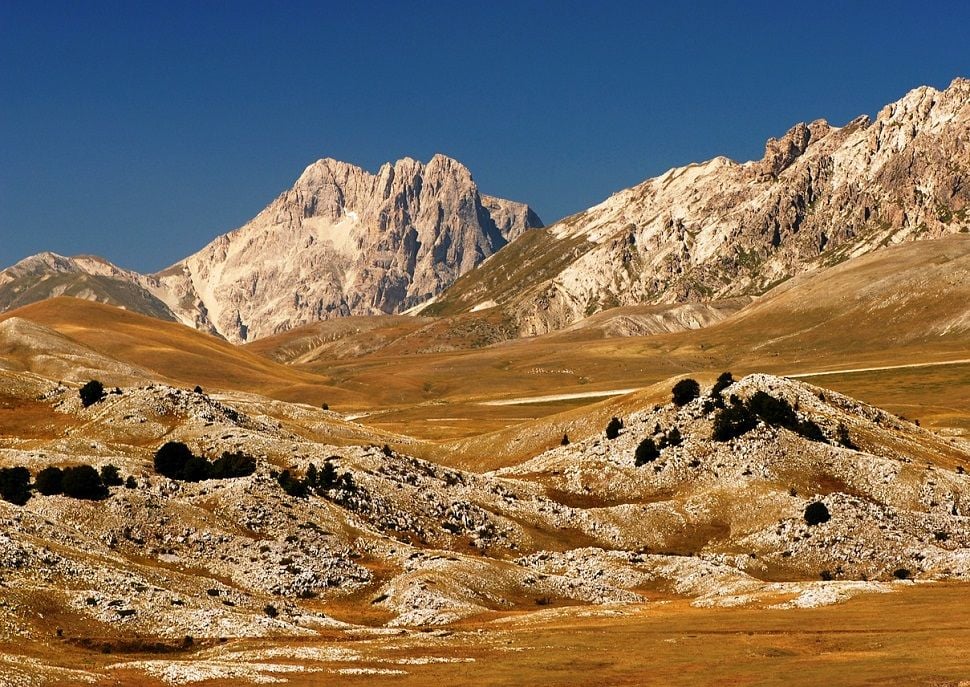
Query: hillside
(820, 195)
(395, 542)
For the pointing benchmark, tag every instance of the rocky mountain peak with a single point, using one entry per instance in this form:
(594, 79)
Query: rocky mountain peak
(344, 241)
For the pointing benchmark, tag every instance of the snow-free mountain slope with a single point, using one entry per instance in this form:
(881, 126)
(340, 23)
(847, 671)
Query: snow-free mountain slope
(343, 242)
(819, 195)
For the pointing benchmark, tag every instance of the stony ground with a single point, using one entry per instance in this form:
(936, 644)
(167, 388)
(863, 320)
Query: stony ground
(405, 543)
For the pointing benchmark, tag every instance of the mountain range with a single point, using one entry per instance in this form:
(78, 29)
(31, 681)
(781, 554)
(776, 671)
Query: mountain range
(340, 242)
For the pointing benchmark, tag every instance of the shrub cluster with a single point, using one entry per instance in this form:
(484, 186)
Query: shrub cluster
(741, 417)
(317, 481)
(175, 461)
(79, 482)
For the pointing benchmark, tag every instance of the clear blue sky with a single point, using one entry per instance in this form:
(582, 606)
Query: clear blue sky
(139, 130)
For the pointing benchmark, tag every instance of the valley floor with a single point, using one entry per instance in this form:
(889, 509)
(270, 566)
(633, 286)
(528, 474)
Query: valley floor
(919, 634)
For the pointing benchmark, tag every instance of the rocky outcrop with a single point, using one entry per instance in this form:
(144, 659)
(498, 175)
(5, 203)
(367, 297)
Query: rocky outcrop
(820, 195)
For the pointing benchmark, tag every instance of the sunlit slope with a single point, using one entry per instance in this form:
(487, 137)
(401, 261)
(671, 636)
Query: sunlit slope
(176, 353)
(901, 306)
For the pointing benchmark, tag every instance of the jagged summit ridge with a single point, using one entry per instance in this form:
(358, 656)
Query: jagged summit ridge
(819, 195)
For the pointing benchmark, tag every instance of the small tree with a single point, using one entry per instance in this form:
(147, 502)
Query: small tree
(613, 428)
(673, 438)
(565, 440)
(327, 478)
(49, 481)
(312, 477)
(647, 452)
(110, 476)
(685, 391)
(84, 482)
(15, 485)
(171, 458)
(816, 513)
(91, 393)
(724, 380)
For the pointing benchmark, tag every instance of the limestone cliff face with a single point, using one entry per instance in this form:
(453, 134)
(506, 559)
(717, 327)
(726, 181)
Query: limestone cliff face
(341, 242)
(718, 229)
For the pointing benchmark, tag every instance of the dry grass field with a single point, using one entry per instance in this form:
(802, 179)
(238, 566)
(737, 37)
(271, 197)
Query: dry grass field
(916, 635)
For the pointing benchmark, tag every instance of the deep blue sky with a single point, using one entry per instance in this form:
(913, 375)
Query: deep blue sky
(139, 131)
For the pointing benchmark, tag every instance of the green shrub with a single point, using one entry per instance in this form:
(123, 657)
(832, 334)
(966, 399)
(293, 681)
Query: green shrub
(816, 513)
(171, 458)
(83, 482)
(647, 452)
(732, 422)
(613, 428)
(685, 391)
(91, 393)
(231, 465)
(291, 485)
(15, 485)
(110, 476)
(49, 481)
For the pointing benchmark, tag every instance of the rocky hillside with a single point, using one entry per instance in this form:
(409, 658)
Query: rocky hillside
(341, 242)
(48, 275)
(819, 195)
(808, 488)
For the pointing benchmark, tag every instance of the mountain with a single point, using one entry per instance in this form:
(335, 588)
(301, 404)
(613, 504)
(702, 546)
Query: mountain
(820, 195)
(48, 275)
(344, 242)
(340, 242)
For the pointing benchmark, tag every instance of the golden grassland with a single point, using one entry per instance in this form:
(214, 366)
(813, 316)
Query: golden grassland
(917, 635)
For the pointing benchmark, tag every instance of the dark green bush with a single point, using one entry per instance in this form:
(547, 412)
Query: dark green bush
(723, 382)
(15, 485)
(110, 476)
(774, 411)
(231, 465)
(49, 481)
(291, 485)
(613, 428)
(647, 452)
(685, 391)
(732, 422)
(91, 393)
(171, 458)
(565, 440)
(83, 482)
(816, 513)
